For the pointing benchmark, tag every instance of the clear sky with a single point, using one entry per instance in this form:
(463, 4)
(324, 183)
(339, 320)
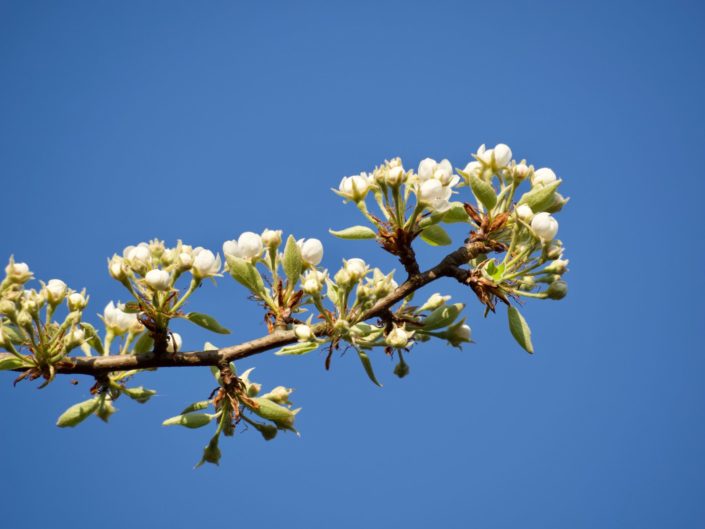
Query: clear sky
(124, 121)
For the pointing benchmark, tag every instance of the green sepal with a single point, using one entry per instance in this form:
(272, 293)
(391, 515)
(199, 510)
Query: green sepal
(355, 233)
(190, 420)
(139, 393)
(297, 349)
(520, 329)
(435, 236)
(78, 413)
(105, 410)
(293, 262)
(367, 365)
(207, 322)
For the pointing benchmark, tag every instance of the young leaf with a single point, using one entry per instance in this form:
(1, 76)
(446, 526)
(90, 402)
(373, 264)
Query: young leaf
(482, 190)
(10, 362)
(246, 274)
(520, 329)
(207, 322)
(355, 232)
(92, 337)
(293, 262)
(367, 364)
(442, 316)
(78, 413)
(456, 213)
(190, 420)
(144, 344)
(196, 406)
(140, 394)
(435, 236)
(540, 197)
(297, 349)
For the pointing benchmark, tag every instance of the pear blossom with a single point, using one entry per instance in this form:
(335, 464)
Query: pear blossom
(271, 238)
(521, 170)
(158, 279)
(458, 334)
(303, 332)
(435, 195)
(435, 301)
(356, 267)
(502, 155)
(441, 171)
(395, 176)
(398, 337)
(18, 272)
(544, 226)
(75, 337)
(524, 212)
(312, 282)
(311, 251)
(543, 177)
(77, 301)
(116, 267)
(205, 264)
(248, 246)
(473, 167)
(56, 291)
(116, 320)
(355, 187)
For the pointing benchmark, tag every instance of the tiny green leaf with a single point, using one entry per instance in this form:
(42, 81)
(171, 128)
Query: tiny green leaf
(282, 416)
(190, 420)
(355, 232)
(367, 364)
(520, 329)
(297, 349)
(293, 262)
(207, 322)
(78, 413)
(435, 236)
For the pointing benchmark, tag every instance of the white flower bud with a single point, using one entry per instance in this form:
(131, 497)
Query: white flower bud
(427, 168)
(343, 278)
(116, 267)
(311, 251)
(435, 301)
(434, 195)
(156, 248)
(458, 334)
(158, 279)
(206, 264)
(473, 167)
(559, 266)
(502, 155)
(543, 177)
(18, 272)
(524, 212)
(24, 319)
(398, 337)
(271, 238)
(77, 301)
(554, 250)
(184, 261)
(485, 155)
(280, 395)
(395, 176)
(312, 282)
(544, 226)
(75, 338)
(116, 319)
(174, 342)
(356, 268)
(248, 246)
(354, 188)
(55, 291)
(303, 332)
(8, 308)
(521, 171)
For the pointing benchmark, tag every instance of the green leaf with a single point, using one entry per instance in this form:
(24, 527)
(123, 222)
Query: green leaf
(10, 362)
(540, 198)
(196, 406)
(435, 236)
(78, 413)
(92, 337)
(354, 233)
(245, 273)
(282, 416)
(140, 394)
(442, 316)
(481, 189)
(367, 364)
(520, 329)
(207, 322)
(297, 349)
(293, 262)
(144, 344)
(190, 420)
(456, 213)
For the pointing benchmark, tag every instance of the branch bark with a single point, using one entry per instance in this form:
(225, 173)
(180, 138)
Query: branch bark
(96, 366)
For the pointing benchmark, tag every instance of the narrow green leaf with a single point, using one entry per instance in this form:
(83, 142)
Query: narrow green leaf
(540, 198)
(435, 236)
(207, 322)
(144, 344)
(293, 262)
(78, 413)
(355, 232)
(190, 420)
(297, 349)
(520, 329)
(482, 190)
(10, 362)
(367, 364)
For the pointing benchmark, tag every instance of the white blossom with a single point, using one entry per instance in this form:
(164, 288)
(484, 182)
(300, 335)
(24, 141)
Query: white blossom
(271, 238)
(357, 268)
(118, 321)
(435, 195)
(311, 251)
(398, 337)
(158, 279)
(248, 246)
(205, 264)
(355, 187)
(77, 301)
(524, 212)
(544, 226)
(56, 291)
(543, 177)
(303, 332)
(502, 155)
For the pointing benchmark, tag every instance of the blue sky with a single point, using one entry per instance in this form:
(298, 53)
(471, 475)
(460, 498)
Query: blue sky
(126, 121)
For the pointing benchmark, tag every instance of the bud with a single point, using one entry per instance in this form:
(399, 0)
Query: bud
(554, 250)
(156, 248)
(116, 320)
(356, 268)
(395, 176)
(311, 251)
(303, 332)
(55, 291)
(343, 278)
(435, 301)
(17, 272)
(184, 261)
(458, 334)
(168, 256)
(435, 195)
(248, 246)
(8, 308)
(543, 177)
(354, 188)
(524, 212)
(559, 266)
(341, 326)
(272, 238)
(545, 226)
(139, 257)
(158, 280)
(280, 395)
(116, 268)
(473, 167)
(205, 264)
(502, 155)
(173, 342)
(24, 319)
(527, 283)
(77, 301)
(75, 338)
(521, 171)
(398, 337)
(557, 289)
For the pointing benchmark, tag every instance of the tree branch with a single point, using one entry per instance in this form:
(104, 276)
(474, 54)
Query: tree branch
(96, 366)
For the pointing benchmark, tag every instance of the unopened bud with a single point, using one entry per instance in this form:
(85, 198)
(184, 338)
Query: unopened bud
(557, 289)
